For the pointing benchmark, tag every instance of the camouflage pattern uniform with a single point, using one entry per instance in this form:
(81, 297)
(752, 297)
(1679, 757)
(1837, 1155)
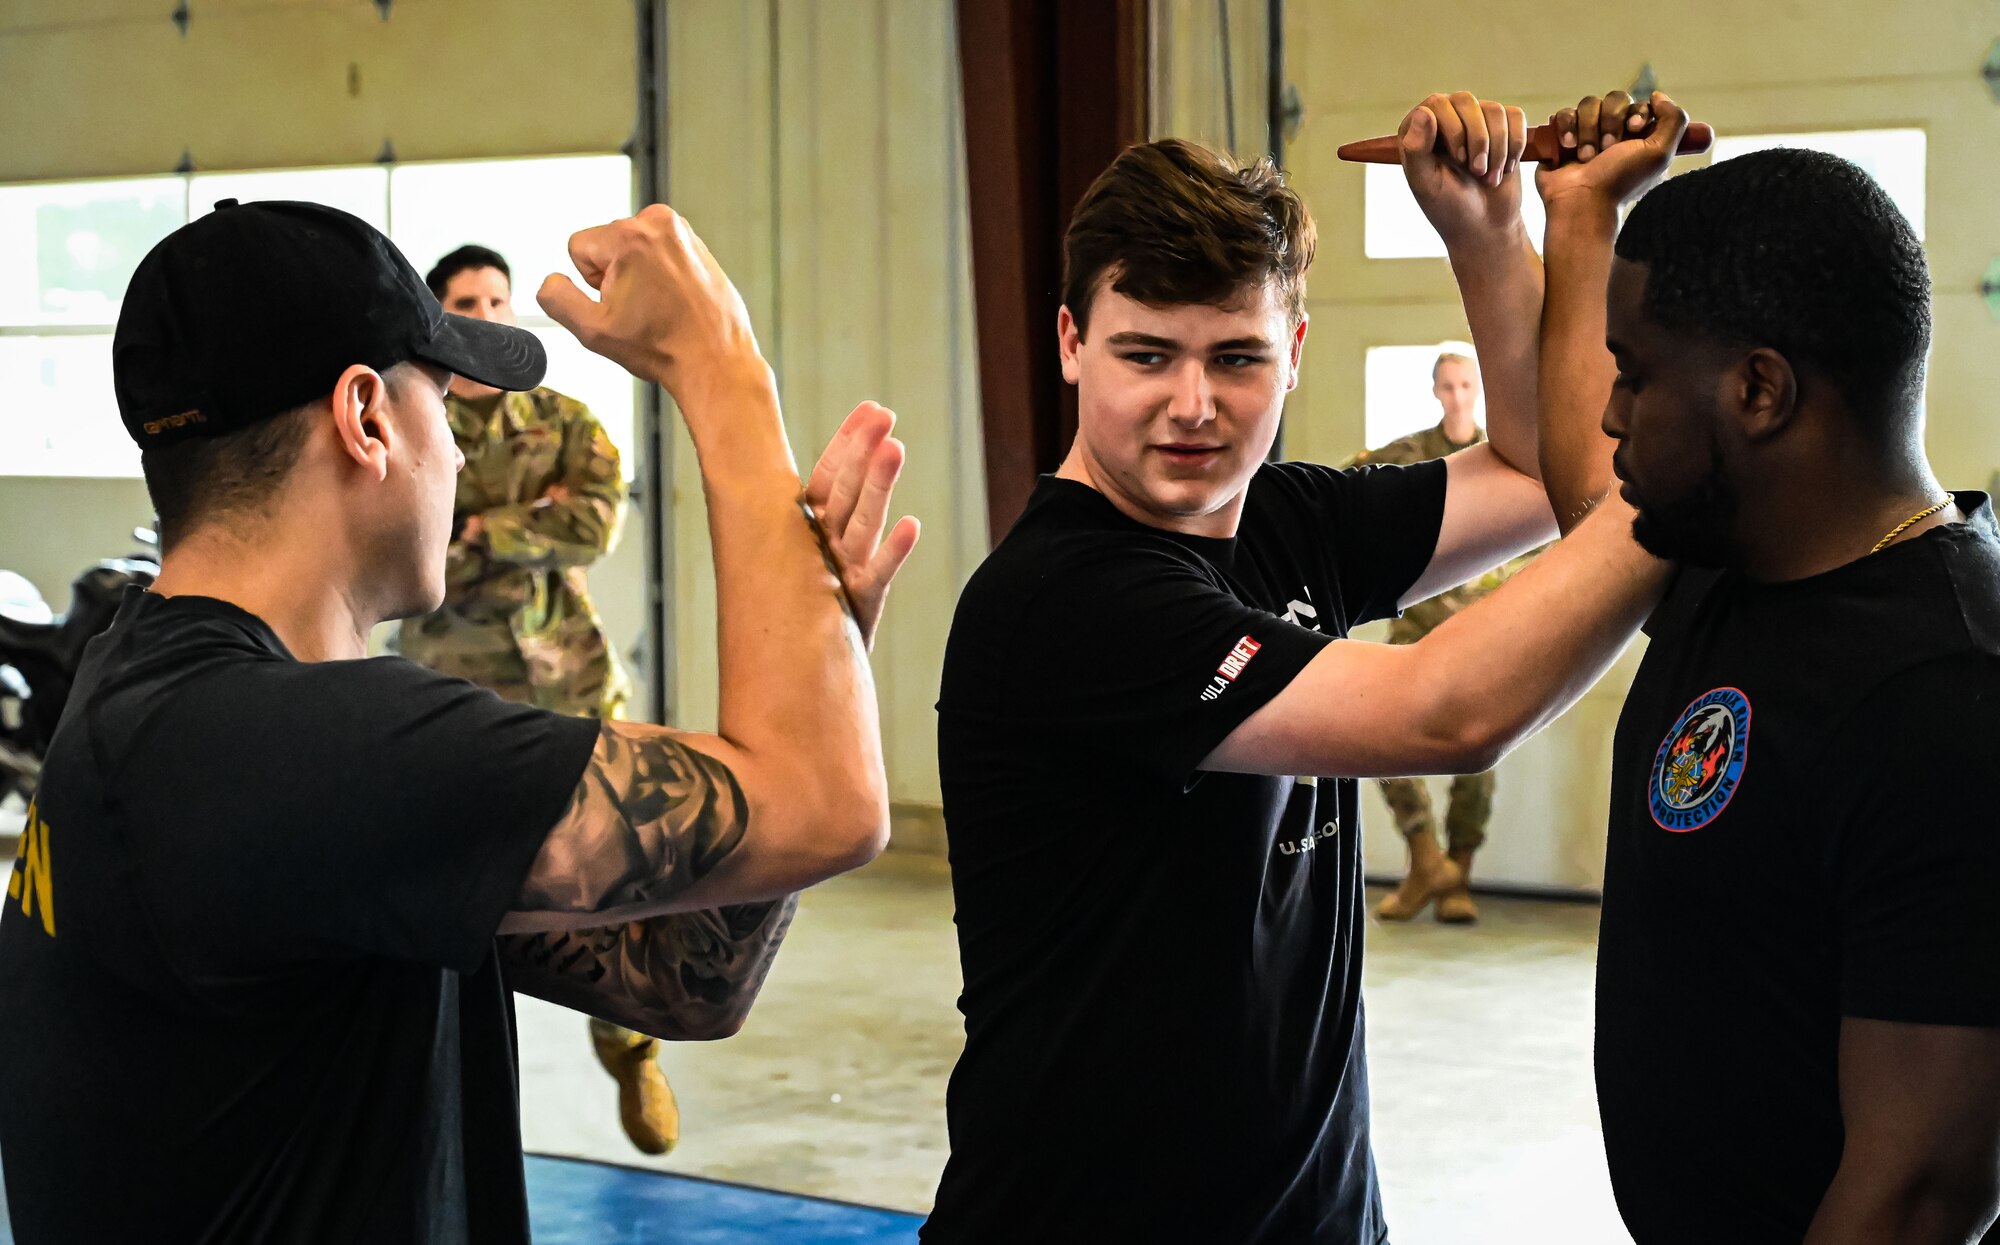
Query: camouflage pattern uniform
(517, 618)
(1471, 794)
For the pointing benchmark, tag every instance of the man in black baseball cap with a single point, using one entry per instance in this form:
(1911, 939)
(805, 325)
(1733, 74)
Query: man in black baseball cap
(310, 878)
(254, 310)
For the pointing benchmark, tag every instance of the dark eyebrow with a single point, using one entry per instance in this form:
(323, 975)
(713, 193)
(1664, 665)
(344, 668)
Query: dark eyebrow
(1168, 343)
(1142, 339)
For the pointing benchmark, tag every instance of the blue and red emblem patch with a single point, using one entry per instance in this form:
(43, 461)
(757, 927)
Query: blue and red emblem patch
(1700, 763)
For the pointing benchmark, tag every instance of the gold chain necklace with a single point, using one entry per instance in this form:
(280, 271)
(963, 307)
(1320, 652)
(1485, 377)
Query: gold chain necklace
(1912, 521)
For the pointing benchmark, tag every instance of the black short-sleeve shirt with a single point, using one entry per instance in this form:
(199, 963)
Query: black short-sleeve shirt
(247, 951)
(1801, 830)
(1162, 966)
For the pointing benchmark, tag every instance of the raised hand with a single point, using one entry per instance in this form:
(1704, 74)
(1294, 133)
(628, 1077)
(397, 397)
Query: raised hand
(849, 490)
(1473, 185)
(665, 310)
(1617, 156)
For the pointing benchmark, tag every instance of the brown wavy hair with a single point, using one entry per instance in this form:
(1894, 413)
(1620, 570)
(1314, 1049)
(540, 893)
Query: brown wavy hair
(1172, 222)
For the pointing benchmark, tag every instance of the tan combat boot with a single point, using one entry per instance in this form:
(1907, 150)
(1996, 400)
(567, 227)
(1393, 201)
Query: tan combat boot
(646, 1105)
(1456, 906)
(1431, 874)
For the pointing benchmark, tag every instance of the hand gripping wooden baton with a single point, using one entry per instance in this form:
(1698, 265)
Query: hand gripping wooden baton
(1544, 146)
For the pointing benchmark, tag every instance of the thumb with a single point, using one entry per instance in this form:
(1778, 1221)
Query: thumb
(1669, 123)
(569, 306)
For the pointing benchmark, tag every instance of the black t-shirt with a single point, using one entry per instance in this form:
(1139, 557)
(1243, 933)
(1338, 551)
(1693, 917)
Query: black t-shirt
(247, 962)
(1162, 966)
(1801, 829)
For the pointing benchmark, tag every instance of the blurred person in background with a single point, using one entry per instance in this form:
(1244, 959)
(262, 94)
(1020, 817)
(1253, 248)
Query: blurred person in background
(1443, 874)
(539, 500)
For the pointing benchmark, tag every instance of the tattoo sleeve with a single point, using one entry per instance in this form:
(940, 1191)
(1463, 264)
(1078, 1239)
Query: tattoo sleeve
(650, 818)
(690, 976)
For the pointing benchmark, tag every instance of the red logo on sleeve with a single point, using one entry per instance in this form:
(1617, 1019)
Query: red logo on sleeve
(1231, 666)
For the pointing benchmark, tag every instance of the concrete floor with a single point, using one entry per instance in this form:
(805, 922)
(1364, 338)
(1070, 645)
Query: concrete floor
(1479, 1044)
(1479, 1049)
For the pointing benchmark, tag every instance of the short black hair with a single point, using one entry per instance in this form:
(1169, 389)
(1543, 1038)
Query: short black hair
(465, 259)
(1798, 251)
(202, 478)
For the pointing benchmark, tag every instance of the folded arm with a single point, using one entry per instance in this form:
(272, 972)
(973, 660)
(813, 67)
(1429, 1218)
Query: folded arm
(576, 521)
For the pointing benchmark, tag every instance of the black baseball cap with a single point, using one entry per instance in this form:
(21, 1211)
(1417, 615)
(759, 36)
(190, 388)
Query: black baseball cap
(257, 308)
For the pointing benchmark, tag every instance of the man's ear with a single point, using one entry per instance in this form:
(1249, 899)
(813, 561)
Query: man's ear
(359, 399)
(1069, 340)
(1298, 352)
(1761, 393)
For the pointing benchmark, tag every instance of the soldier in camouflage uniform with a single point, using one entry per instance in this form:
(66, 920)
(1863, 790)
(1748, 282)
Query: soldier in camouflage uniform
(539, 500)
(1436, 874)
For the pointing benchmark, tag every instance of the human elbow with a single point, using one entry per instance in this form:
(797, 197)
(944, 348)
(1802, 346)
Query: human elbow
(1480, 750)
(713, 1027)
(706, 1024)
(847, 824)
(1469, 741)
(1954, 1199)
(858, 840)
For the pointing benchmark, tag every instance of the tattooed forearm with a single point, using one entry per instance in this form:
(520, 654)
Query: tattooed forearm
(690, 976)
(651, 818)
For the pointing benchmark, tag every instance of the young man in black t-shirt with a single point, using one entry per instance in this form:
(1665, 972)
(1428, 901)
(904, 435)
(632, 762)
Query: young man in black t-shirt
(286, 865)
(1798, 996)
(1159, 921)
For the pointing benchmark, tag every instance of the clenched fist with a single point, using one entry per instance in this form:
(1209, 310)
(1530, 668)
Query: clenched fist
(665, 310)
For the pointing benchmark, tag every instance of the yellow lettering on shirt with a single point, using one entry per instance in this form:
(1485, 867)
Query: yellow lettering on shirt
(31, 882)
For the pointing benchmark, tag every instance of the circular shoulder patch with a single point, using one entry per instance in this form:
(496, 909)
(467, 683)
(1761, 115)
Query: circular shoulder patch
(1700, 762)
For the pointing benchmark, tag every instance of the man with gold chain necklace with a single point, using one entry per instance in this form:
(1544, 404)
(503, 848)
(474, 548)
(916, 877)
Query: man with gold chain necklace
(1798, 996)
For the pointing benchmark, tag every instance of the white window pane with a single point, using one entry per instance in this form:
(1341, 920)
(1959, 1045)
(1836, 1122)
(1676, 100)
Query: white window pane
(60, 417)
(1397, 399)
(1895, 158)
(362, 190)
(1393, 226)
(525, 209)
(607, 389)
(67, 250)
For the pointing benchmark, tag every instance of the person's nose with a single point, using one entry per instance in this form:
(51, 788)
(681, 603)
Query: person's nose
(1193, 401)
(1614, 422)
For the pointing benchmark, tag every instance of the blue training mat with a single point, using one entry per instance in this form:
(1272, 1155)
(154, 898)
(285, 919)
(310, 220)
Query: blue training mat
(579, 1202)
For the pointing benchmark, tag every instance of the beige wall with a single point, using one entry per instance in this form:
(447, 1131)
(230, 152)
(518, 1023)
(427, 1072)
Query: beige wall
(816, 147)
(99, 87)
(109, 87)
(1746, 69)
(1190, 97)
